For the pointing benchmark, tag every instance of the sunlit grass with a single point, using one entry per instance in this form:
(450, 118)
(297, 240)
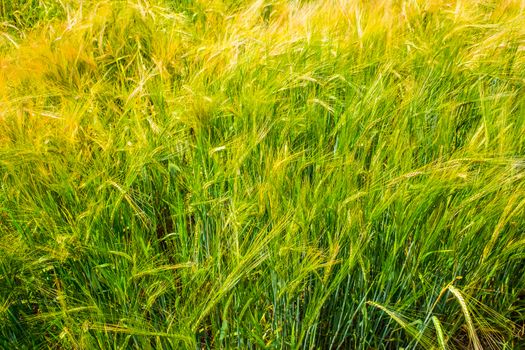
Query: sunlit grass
(262, 174)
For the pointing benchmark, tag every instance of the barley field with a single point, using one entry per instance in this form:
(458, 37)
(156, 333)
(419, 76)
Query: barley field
(262, 174)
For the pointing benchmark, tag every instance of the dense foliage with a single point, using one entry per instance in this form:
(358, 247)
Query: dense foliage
(262, 174)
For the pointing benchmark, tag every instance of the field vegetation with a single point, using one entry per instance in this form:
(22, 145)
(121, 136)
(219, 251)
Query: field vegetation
(262, 174)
